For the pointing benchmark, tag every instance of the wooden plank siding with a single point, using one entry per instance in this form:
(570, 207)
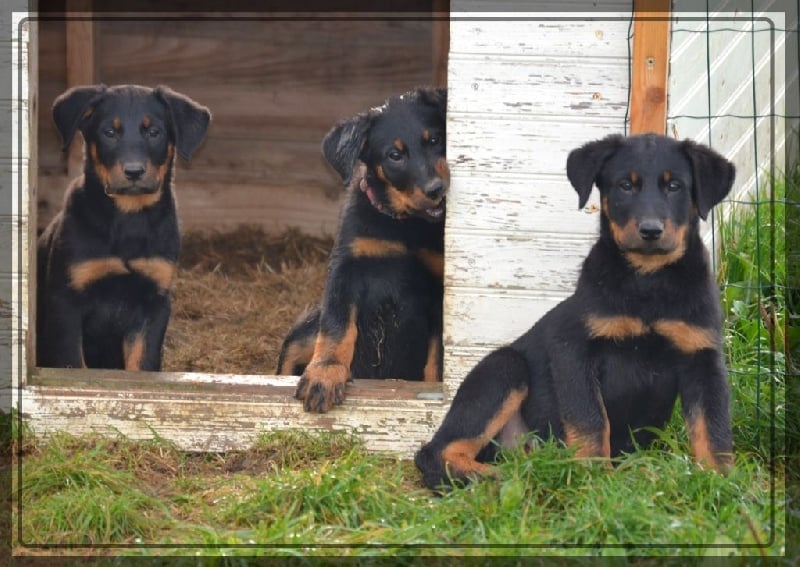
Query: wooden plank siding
(524, 89)
(16, 307)
(275, 87)
(81, 66)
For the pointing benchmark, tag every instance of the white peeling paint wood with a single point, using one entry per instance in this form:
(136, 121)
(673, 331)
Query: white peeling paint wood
(14, 298)
(200, 412)
(523, 91)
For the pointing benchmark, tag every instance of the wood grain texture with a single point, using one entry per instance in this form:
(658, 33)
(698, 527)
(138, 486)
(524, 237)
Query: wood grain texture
(493, 318)
(535, 33)
(274, 86)
(440, 41)
(81, 65)
(15, 292)
(517, 145)
(510, 84)
(223, 412)
(515, 261)
(218, 205)
(650, 66)
(505, 202)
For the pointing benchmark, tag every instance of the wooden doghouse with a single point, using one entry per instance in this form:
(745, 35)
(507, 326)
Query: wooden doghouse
(524, 89)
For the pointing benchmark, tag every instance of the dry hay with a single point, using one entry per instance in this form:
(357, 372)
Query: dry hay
(236, 296)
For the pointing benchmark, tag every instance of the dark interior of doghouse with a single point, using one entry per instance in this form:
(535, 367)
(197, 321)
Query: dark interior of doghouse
(258, 206)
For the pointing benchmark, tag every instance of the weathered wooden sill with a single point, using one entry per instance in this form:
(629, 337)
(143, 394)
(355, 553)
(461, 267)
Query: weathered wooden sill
(220, 412)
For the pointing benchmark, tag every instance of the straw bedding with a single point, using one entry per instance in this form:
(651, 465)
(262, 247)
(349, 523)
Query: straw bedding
(236, 296)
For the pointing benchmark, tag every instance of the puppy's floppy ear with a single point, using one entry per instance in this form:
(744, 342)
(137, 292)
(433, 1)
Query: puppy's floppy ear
(584, 164)
(189, 120)
(712, 176)
(73, 107)
(435, 97)
(342, 145)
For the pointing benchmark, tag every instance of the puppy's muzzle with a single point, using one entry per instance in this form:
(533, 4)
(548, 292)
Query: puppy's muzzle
(651, 229)
(435, 190)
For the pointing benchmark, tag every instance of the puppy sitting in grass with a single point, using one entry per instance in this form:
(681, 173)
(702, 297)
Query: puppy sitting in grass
(641, 329)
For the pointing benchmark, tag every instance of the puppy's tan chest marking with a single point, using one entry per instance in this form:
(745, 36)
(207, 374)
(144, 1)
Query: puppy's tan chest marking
(377, 248)
(365, 247)
(433, 260)
(615, 327)
(160, 270)
(85, 273)
(686, 337)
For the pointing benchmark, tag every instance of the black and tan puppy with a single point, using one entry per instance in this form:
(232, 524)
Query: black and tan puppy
(381, 315)
(641, 330)
(107, 260)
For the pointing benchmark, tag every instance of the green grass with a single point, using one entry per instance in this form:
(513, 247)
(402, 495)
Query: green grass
(762, 329)
(97, 489)
(296, 493)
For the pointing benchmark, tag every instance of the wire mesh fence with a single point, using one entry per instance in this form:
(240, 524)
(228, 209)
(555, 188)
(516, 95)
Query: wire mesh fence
(733, 86)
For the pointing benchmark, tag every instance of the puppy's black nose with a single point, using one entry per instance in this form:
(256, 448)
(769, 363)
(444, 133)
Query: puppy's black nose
(651, 229)
(435, 189)
(133, 171)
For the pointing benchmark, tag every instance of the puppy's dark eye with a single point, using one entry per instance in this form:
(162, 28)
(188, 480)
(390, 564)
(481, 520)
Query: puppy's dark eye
(674, 185)
(435, 140)
(625, 185)
(154, 132)
(395, 155)
(109, 132)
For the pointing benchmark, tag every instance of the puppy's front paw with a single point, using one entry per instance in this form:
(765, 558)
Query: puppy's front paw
(322, 386)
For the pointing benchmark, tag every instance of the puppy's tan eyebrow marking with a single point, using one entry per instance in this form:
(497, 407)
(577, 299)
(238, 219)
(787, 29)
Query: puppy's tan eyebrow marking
(426, 135)
(634, 177)
(398, 143)
(116, 123)
(667, 175)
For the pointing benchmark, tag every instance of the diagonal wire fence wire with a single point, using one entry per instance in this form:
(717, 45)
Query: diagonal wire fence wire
(730, 89)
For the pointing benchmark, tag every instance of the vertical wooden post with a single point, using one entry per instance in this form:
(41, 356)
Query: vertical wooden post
(29, 247)
(441, 41)
(81, 66)
(650, 66)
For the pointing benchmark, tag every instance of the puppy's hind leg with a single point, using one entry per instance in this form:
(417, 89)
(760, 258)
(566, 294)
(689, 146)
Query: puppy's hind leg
(486, 404)
(298, 346)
